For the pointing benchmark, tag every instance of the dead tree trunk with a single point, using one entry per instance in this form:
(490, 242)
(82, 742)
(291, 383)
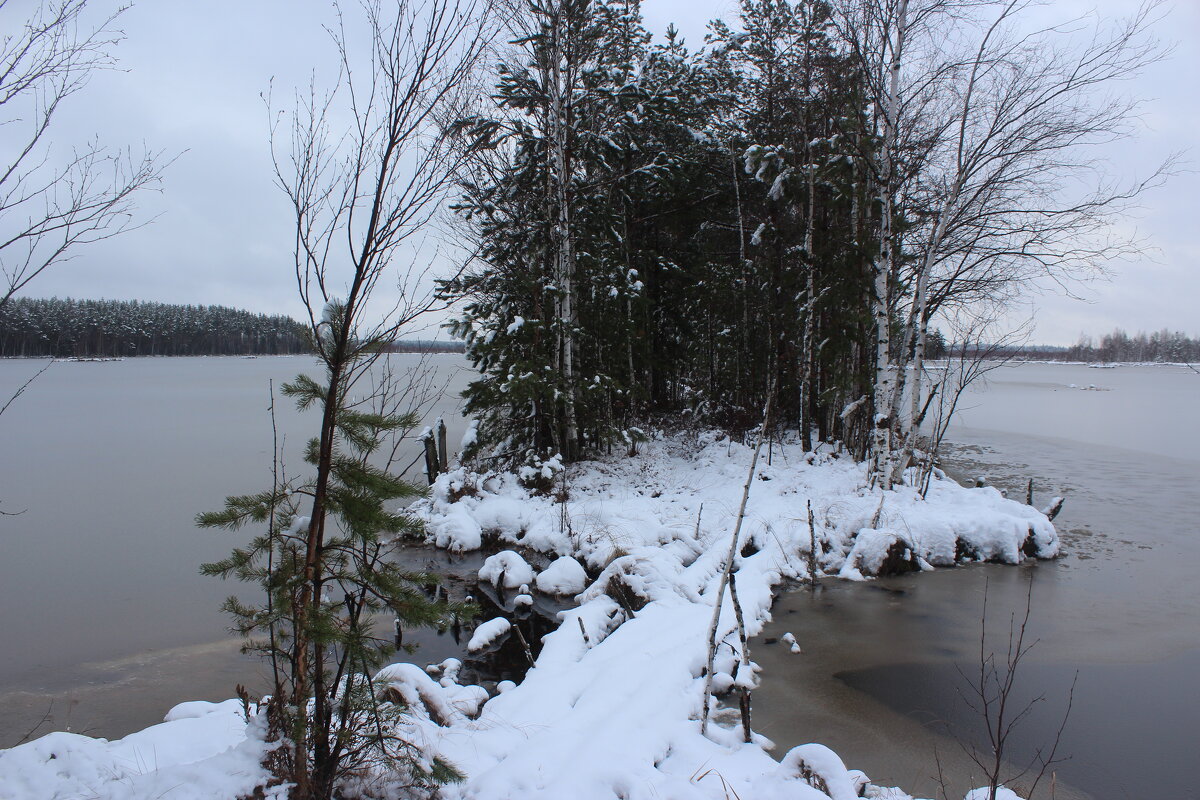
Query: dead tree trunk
(730, 559)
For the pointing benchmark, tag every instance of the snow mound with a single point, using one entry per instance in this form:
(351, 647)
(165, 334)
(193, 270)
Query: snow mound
(507, 569)
(879, 553)
(563, 577)
(442, 702)
(488, 633)
(204, 750)
(1002, 793)
(822, 769)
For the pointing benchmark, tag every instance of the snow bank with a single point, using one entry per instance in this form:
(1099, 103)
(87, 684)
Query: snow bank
(202, 751)
(621, 679)
(612, 706)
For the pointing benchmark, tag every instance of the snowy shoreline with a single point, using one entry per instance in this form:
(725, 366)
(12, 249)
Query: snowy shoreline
(621, 677)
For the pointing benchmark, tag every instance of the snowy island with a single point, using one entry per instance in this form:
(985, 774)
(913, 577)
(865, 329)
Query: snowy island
(614, 705)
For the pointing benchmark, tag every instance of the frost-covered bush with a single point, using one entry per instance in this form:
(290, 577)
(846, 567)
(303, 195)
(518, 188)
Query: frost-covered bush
(538, 475)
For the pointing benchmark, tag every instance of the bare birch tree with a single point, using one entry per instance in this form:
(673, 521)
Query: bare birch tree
(367, 166)
(1013, 193)
(561, 80)
(983, 149)
(901, 83)
(56, 198)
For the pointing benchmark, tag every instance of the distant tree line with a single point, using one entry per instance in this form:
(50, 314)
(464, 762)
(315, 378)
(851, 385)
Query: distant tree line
(1161, 345)
(424, 346)
(110, 328)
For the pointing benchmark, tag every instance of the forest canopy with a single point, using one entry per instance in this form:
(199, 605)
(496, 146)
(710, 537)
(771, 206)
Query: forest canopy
(114, 328)
(779, 214)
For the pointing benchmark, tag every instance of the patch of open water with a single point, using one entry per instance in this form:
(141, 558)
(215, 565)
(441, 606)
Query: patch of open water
(879, 679)
(103, 611)
(105, 620)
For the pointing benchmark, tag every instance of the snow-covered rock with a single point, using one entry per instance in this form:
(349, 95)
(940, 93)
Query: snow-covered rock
(507, 569)
(487, 633)
(563, 577)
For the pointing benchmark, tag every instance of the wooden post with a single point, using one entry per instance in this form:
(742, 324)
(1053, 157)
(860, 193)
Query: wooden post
(443, 455)
(1051, 511)
(812, 543)
(431, 459)
(1029, 493)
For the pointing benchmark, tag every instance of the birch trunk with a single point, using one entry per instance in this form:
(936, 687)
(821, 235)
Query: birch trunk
(560, 88)
(807, 371)
(881, 432)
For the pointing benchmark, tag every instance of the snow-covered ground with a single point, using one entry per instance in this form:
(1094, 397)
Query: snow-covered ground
(612, 707)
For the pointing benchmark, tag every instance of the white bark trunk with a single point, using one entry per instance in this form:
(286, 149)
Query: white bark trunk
(807, 356)
(881, 437)
(560, 89)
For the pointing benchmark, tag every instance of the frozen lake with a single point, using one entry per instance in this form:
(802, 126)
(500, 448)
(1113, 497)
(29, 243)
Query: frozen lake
(103, 612)
(102, 608)
(879, 679)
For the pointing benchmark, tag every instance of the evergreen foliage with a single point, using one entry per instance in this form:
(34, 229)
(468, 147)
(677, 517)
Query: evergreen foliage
(662, 230)
(696, 183)
(352, 729)
(110, 328)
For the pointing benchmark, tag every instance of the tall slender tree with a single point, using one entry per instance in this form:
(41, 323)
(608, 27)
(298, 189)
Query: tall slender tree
(365, 168)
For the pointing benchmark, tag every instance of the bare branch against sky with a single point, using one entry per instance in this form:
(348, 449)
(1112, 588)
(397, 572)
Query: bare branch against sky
(192, 76)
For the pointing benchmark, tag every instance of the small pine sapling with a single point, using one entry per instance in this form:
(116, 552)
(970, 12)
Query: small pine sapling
(323, 653)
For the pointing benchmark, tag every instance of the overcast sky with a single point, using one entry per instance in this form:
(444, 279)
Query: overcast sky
(192, 79)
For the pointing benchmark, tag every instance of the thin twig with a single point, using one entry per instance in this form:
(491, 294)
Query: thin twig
(25, 386)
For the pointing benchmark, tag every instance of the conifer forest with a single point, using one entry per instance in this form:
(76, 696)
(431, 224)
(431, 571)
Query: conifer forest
(115, 329)
(680, 228)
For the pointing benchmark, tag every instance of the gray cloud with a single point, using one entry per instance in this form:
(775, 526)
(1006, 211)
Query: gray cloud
(191, 85)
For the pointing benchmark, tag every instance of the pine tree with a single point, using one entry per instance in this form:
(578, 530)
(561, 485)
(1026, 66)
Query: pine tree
(323, 653)
(637, 180)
